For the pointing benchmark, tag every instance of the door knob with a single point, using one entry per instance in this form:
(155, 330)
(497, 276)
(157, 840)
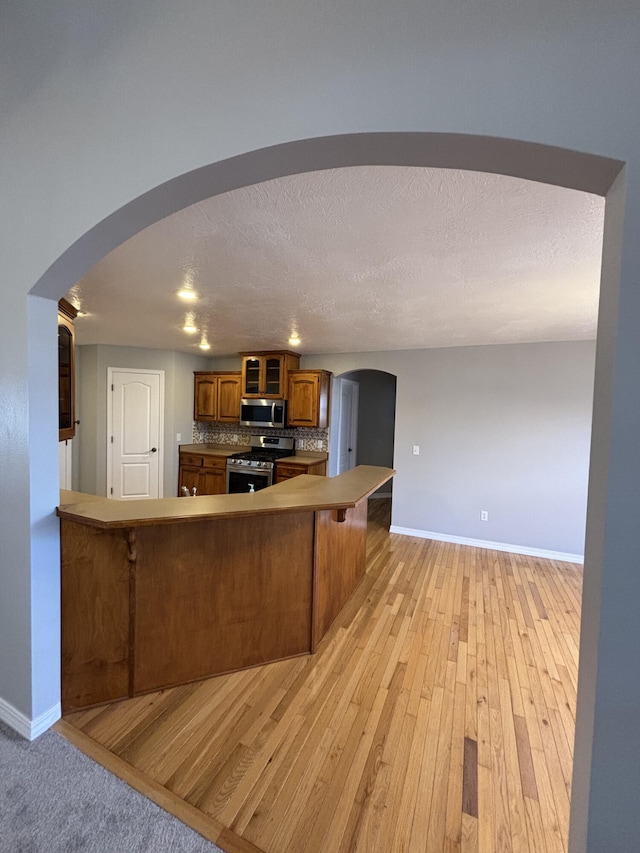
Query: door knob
(153, 450)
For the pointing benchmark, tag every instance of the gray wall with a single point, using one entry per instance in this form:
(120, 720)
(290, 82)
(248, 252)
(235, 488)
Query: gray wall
(500, 428)
(94, 362)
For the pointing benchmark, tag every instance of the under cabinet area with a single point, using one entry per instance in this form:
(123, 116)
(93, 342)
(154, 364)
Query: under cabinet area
(308, 398)
(265, 374)
(217, 396)
(205, 473)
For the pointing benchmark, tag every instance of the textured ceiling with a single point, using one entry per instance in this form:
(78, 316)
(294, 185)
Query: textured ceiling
(357, 259)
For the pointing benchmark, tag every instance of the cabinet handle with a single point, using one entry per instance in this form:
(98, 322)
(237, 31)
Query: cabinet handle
(153, 450)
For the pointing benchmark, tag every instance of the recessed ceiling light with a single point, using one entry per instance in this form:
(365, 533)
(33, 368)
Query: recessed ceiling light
(294, 341)
(190, 323)
(187, 294)
(204, 344)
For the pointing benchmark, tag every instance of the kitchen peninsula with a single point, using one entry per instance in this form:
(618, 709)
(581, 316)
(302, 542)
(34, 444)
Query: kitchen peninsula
(157, 593)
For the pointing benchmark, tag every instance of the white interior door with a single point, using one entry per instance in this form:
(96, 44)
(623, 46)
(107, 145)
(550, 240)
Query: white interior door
(135, 406)
(348, 425)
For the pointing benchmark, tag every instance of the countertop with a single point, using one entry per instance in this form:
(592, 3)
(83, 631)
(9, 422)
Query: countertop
(304, 493)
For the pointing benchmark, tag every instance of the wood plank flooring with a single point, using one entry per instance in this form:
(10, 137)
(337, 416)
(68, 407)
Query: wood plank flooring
(437, 715)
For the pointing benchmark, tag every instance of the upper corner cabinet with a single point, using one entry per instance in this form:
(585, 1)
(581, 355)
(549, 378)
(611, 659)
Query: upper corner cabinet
(308, 398)
(264, 374)
(66, 370)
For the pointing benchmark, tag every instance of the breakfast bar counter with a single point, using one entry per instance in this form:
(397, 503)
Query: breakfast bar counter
(157, 593)
(305, 492)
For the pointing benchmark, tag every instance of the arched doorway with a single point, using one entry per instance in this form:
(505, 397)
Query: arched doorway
(374, 422)
(530, 161)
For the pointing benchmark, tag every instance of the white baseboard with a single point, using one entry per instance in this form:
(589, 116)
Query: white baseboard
(29, 729)
(493, 546)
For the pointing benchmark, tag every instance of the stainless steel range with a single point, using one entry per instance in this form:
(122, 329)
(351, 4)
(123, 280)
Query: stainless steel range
(254, 470)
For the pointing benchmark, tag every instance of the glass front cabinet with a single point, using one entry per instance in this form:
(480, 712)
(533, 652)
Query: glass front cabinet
(66, 370)
(264, 374)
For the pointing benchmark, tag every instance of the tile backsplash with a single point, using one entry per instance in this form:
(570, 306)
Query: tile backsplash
(215, 433)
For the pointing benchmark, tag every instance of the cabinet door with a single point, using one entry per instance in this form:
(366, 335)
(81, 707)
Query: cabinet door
(212, 482)
(229, 391)
(252, 376)
(273, 376)
(213, 479)
(308, 392)
(303, 400)
(205, 397)
(66, 378)
(189, 477)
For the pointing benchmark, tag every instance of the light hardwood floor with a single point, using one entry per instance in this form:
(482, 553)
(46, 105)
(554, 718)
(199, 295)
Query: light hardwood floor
(437, 715)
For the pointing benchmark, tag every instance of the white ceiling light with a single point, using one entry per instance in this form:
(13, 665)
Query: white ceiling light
(190, 323)
(187, 294)
(204, 344)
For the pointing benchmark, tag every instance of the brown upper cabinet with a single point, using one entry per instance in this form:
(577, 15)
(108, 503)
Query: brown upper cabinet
(264, 374)
(66, 370)
(308, 398)
(217, 396)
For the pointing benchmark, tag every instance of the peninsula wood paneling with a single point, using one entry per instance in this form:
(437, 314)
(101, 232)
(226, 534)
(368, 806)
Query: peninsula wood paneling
(210, 586)
(341, 548)
(220, 595)
(95, 606)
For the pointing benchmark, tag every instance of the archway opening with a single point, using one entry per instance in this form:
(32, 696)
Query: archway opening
(529, 161)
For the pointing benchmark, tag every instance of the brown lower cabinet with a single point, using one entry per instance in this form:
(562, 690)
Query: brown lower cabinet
(286, 470)
(204, 472)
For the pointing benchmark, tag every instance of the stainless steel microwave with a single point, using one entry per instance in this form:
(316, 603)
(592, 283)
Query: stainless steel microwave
(263, 413)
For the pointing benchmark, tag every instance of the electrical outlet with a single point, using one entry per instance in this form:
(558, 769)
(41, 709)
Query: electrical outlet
(179, 436)
(484, 515)
(416, 450)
